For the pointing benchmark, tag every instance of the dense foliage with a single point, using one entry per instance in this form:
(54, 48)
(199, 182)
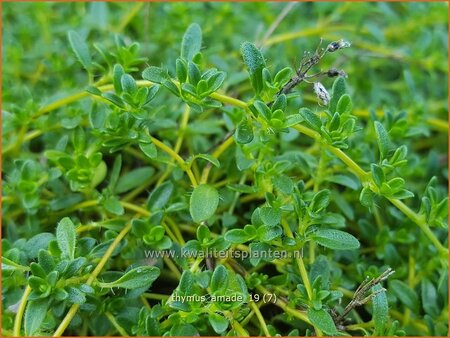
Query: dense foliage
(218, 169)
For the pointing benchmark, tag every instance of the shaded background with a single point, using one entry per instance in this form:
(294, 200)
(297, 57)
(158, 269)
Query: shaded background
(397, 63)
(398, 57)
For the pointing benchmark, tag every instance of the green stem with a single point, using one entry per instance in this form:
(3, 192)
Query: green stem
(177, 158)
(21, 311)
(260, 318)
(239, 329)
(420, 221)
(304, 275)
(178, 143)
(117, 326)
(130, 15)
(74, 308)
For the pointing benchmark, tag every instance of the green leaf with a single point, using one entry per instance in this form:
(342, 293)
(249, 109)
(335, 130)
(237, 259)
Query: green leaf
(216, 81)
(429, 297)
(402, 194)
(80, 49)
(186, 283)
(366, 197)
(283, 184)
(255, 63)
(383, 140)
(203, 203)
(75, 295)
(280, 103)
(292, 120)
(93, 90)
(149, 149)
(380, 310)
(345, 180)
(9, 265)
(267, 234)
(155, 74)
(193, 73)
(35, 315)
(114, 99)
(262, 110)
(335, 239)
(336, 92)
(128, 84)
(160, 196)
(322, 320)
(282, 77)
(320, 201)
(244, 132)
(133, 179)
(378, 175)
(139, 277)
(112, 204)
(118, 71)
(115, 172)
(66, 237)
(183, 330)
(192, 42)
(219, 279)
(311, 119)
(406, 295)
(270, 216)
(211, 159)
(181, 70)
(203, 233)
(344, 105)
(218, 322)
(237, 236)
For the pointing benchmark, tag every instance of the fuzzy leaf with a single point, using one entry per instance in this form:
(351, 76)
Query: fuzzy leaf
(382, 140)
(218, 322)
(192, 42)
(35, 315)
(155, 74)
(133, 179)
(336, 239)
(219, 279)
(211, 159)
(160, 196)
(322, 320)
(80, 49)
(139, 277)
(270, 216)
(203, 203)
(380, 310)
(255, 63)
(244, 132)
(149, 149)
(112, 204)
(406, 295)
(311, 119)
(66, 237)
(237, 236)
(337, 91)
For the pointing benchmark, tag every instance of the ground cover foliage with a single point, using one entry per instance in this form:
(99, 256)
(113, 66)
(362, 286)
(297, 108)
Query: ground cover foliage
(303, 145)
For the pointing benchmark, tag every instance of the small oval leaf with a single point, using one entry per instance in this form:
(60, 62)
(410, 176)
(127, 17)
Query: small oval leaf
(336, 239)
(66, 237)
(203, 203)
(139, 277)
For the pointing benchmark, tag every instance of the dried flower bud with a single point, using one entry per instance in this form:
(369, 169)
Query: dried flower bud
(322, 94)
(333, 72)
(336, 45)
